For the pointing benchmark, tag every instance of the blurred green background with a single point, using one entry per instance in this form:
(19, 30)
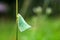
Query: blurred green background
(7, 20)
(7, 30)
(44, 18)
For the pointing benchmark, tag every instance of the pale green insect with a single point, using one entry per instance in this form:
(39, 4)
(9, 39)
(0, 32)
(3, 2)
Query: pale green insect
(22, 25)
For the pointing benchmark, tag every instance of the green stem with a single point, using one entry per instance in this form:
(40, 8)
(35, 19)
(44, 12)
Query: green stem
(17, 33)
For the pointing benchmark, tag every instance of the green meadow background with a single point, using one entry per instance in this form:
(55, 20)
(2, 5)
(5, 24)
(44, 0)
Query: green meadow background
(7, 29)
(8, 20)
(45, 25)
